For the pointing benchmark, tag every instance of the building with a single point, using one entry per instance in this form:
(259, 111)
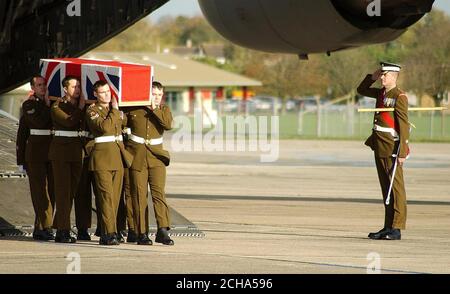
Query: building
(188, 84)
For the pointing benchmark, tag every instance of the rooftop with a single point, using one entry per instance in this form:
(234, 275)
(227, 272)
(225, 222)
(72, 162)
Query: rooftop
(174, 71)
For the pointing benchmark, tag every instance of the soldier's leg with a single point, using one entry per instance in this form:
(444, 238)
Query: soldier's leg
(37, 173)
(83, 199)
(139, 194)
(121, 214)
(117, 197)
(50, 184)
(157, 180)
(399, 200)
(383, 169)
(98, 230)
(104, 186)
(63, 197)
(128, 200)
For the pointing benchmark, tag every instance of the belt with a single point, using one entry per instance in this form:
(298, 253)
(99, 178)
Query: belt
(72, 134)
(141, 140)
(392, 131)
(39, 132)
(127, 131)
(106, 139)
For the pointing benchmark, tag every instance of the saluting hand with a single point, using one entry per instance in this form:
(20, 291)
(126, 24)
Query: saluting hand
(376, 75)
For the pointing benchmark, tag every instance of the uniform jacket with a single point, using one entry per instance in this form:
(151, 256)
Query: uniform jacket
(66, 117)
(33, 148)
(148, 124)
(107, 122)
(21, 141)
(382, 143)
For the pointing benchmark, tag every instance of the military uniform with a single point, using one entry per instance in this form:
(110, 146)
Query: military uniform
(125, 215)
(108, 159)
(33, 142)
(390, 129)
(83, 199)
(149, 164)
(66, 155)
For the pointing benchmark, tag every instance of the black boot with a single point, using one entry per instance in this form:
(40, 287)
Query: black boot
(132, 237)
(43, 235)
(162, 236)
(143, 239)
(393, 234)
(63, 236)
(83, 234)
(109, 239)
(380, 234)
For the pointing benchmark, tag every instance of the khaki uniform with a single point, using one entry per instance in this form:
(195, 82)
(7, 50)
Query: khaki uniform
(125, 214)
(66, 155)
(107, 162)
(32, 152)
(149, 164)
(385, 144)
(83, 199)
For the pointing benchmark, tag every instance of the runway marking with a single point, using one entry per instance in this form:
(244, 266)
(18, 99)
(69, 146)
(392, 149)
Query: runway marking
(300, 199)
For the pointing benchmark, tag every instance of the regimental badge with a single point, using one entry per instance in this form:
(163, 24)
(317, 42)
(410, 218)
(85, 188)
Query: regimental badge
(31, 111)
(93, 115)
(389, 102)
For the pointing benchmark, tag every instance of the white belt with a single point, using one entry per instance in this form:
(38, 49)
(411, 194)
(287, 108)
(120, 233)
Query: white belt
(127, 131)
(141, 140)
(40, 132)
(73, 134)
(106, 139)
(85, 134)
(66, 134)
(392, 131)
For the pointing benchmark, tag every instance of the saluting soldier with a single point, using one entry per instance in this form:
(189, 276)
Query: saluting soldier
(145, 142)
(33, 142)
(66, 154)
(107, 158)
(389, 141)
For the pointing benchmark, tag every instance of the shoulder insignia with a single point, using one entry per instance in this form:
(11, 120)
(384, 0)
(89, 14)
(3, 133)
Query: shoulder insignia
(94, 115)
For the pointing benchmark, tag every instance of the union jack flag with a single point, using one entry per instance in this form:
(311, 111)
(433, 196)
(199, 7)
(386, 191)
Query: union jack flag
(130, 83)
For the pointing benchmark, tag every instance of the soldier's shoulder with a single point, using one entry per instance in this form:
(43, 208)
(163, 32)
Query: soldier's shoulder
(91, 107)
(57, 102)
(28, 104)
(401, 93)
(92, 111)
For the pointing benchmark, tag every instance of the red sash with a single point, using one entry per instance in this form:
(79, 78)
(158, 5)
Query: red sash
(385, 116)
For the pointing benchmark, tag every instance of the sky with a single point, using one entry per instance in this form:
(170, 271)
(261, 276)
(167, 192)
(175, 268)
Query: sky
(191, 8)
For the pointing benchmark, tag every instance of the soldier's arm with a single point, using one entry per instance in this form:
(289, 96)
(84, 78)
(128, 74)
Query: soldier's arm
(97, 124)
(36, 116)
(21, 140)
(365, 88)
(63, 118)
(401, 117)
(164, 117)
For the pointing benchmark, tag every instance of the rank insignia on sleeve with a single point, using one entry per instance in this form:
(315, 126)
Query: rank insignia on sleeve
(93, 115)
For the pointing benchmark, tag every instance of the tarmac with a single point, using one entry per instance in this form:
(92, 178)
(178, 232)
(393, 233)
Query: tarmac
(309, 212)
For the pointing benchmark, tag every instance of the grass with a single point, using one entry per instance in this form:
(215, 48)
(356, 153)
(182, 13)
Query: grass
(341, 125)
